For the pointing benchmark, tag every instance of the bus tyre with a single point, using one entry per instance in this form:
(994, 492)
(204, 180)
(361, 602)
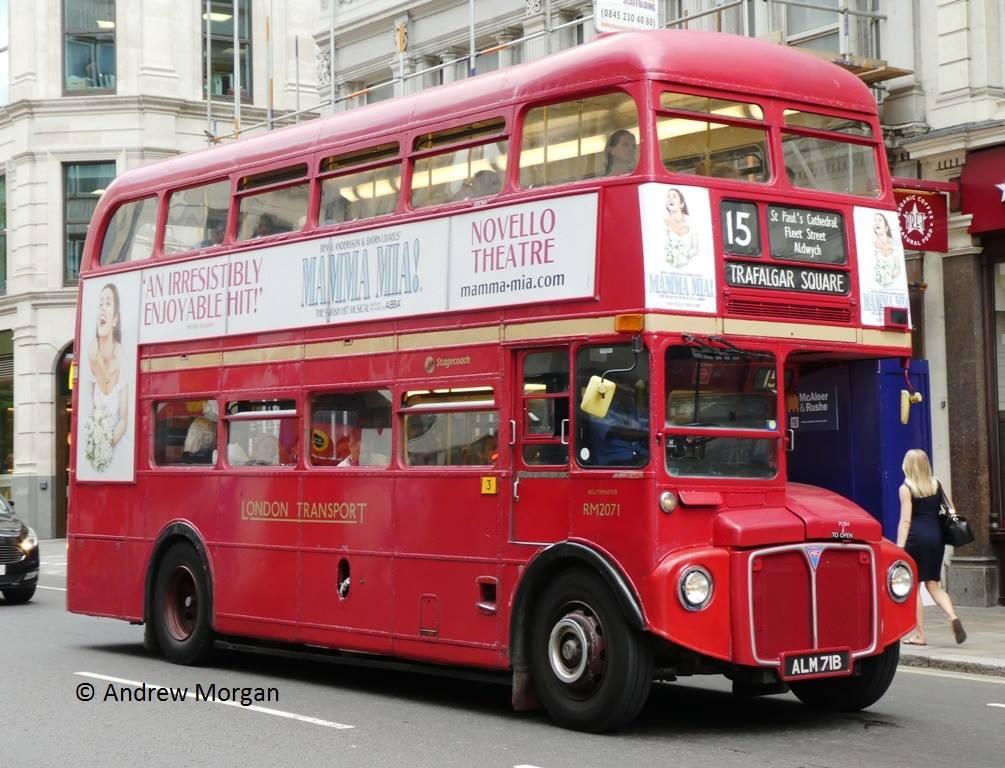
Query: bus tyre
(18, 595)
(850, 694)
(592, 672)
(181, 607)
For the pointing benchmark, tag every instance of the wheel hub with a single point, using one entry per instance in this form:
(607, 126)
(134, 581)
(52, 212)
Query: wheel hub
(576, 648)
(181, 605)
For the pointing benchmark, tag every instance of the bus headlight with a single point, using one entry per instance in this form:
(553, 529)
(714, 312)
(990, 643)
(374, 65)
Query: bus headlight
(695, 588)
(899, 581)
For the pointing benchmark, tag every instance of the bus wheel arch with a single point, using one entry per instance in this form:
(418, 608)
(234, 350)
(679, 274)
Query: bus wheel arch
(619, 601)
(179, 564)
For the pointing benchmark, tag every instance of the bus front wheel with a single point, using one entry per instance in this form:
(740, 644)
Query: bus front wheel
(181, 607)
(591, 670)
(850, 694)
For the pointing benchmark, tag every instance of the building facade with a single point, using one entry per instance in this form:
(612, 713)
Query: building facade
(88, 89)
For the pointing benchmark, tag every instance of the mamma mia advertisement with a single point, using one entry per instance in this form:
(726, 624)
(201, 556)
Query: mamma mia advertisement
(677, 247)
(106, 401)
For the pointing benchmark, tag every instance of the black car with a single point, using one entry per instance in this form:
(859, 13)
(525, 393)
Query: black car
(18, 556)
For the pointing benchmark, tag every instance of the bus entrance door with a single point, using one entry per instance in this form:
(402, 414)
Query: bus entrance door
(540, 513)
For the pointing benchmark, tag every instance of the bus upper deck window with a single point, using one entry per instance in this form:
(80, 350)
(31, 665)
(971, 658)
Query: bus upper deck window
(844, 161)
(280, 207)
(197, 217)
(130, 233)
(462, 173)
(348, 194)
(706, 136)
(583, 139)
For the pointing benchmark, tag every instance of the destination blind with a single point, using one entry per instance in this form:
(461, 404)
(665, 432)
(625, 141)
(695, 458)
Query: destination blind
(805, 234)
(750, 275)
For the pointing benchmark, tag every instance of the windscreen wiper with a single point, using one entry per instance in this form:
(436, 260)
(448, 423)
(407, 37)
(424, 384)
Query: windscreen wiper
(726, 350)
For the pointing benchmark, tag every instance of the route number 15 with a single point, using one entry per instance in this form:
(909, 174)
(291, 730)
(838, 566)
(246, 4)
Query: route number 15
(740, 229)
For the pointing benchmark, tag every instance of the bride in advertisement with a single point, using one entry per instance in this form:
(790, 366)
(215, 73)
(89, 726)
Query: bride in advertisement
(681, 244)
(109, 389)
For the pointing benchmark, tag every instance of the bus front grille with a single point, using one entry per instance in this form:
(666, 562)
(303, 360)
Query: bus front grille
(763, 309)
(812, 596)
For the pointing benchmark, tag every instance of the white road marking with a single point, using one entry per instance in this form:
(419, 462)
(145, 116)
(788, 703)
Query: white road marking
(992, 704)
(54, 589)
(253, 708)
(525, 766)
(955, 675)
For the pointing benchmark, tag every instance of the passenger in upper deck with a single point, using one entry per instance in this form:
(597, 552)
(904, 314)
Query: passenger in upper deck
(200, 442)
(267, 225)
(483, 184)
(336, 210)
(621, 153)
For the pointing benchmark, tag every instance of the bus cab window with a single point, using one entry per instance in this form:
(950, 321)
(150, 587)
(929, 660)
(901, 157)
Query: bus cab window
(582, 139)
(710, 390)
(130, 233)
(621, 437)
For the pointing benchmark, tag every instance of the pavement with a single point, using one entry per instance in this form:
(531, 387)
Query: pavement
(982, 653)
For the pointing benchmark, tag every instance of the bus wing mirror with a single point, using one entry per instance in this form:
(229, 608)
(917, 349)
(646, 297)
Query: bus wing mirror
(907, 399)
(597, 397)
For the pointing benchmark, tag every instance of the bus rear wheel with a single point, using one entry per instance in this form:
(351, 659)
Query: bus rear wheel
(181, 607)
(850, 694)
(592, 671)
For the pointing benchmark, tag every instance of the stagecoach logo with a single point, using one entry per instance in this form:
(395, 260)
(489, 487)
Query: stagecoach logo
(917, 220)
(813, 553)
(432, 363)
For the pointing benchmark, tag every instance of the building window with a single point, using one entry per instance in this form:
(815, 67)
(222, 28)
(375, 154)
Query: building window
(221, 41)
(3, 234)
(813, 27)
(4, 55)
(89, 54)
(83, 184)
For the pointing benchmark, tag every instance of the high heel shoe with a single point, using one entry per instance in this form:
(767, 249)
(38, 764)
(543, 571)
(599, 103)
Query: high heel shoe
(958, 631)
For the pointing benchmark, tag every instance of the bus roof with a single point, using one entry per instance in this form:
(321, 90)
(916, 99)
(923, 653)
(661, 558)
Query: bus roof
(701, 59)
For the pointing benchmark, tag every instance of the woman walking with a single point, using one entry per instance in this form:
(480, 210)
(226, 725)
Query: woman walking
(920, 534)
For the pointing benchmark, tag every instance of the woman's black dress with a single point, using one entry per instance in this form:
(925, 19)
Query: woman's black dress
(924, 538)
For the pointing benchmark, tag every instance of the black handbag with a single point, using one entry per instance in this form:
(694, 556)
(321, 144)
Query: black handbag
(955, 529)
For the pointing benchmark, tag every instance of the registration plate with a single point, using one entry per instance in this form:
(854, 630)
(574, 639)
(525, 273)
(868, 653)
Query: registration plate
(3, 569)
(816, 664)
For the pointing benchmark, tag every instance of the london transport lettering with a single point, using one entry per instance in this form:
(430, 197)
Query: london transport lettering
(271, 510)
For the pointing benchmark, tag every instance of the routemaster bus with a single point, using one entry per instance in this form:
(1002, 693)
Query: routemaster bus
(500, 375)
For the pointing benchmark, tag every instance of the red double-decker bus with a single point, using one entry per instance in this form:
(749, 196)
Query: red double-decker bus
(502, 375)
